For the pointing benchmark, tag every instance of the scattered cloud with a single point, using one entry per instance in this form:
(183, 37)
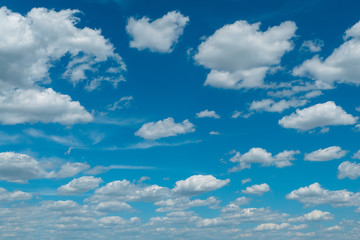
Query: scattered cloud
(257, 189)
(160, 35)
(261, 156)
(164, 128)
(198, 184)
(239, 55)
(315, 215)
(79, 185)
(319, 115)
(207, 114)
(46, 106)
(122, 103)
(349, 170)
(269, 105)
(327, 154)
(313, 45)
(340, 66)
(6, 196)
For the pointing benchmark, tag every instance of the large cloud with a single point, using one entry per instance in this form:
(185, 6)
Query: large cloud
(160, 35)
(79, 185)
(239, 55)
(341, 66)
(314, 194)
(17, 167)
(319, 115)
(260, 155)
(315, 215)
(46, 106)
(13, 196)
(164, 128)
(31, 44)
(349, 169)
(327, 154)
(198, 184)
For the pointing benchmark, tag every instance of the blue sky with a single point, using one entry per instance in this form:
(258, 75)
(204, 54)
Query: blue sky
(179, 119)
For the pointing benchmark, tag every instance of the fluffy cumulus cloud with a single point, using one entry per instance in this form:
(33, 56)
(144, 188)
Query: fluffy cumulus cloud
(271, 226)
(341, 66)
(125, 191)
(207, 114)
(239, 55)
(17, 167)
(269, 105)
(35, 41)
(198, 184)
(327, 154)
(69, 169)
(159, 35)
(263, 157)
(6, 196)
(79, 185)
(46, 106)
(257, 189)
(164, 128)
(315, 215)
(183, 203)
(314, 194)
(319, 115)
(349, 170)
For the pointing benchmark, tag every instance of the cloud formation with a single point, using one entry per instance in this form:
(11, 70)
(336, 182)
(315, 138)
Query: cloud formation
(319, 115)
(239, 55)
(159, 35)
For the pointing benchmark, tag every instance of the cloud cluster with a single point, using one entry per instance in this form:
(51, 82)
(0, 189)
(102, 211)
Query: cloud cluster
(349, 170)
(79, 185)
(239, 55)
(315, 215)
(159, 35)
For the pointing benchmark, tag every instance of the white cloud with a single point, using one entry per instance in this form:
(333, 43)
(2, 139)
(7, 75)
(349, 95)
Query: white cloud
(122, 103)
(314, 194)
(349, 169)
(164, 128)
(79, 185)
(246, 180)
(214, 133)
(112, 206)
(198, 184)
(16, 167)
(64, 140)
(207, 114)
(183, 203)
(341, 66)
(319, 115)
(257, 189)
(260, 155)
(270, 105)
(313, 46)
(315, 215)
(356, 155)
(125, 191)
(159, 35)
(327, 154)
(271, 226)
(238, 114)
(37, 40)
(240, 54)
(13, 196)
(69, 170)
(46, 106)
